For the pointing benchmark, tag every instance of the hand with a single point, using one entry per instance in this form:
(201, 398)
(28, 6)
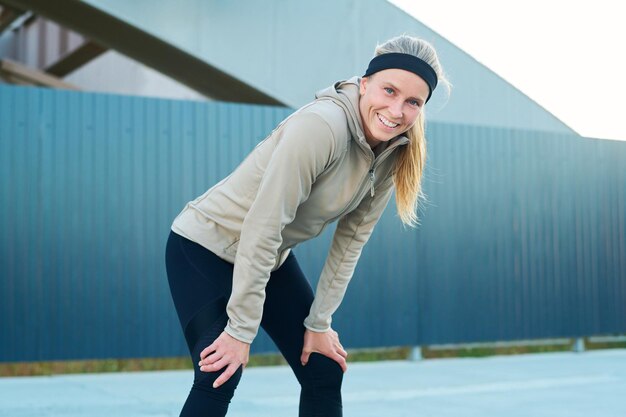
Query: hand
(224, 351)
(326, 343)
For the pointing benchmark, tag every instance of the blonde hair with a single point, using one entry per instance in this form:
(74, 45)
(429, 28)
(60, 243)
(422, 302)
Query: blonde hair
(412, 158)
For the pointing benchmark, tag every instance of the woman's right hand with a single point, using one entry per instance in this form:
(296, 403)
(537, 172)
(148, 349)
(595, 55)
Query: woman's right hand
(224, 351)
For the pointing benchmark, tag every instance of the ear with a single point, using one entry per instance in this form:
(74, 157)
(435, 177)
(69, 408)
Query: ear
(363, 85)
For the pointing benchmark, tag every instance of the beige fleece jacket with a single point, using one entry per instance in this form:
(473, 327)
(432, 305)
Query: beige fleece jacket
(313, 169)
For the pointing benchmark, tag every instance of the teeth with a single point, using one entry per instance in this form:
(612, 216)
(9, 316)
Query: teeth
(386, 122)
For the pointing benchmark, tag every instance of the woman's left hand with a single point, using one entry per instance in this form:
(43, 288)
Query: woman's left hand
(326, 343)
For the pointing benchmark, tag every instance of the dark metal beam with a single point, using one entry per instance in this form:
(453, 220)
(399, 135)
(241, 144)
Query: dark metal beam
(116, 34)
(76, 59)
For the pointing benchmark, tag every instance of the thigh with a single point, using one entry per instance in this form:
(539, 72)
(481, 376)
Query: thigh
(196, 276)
(200, 283)
(287, 302)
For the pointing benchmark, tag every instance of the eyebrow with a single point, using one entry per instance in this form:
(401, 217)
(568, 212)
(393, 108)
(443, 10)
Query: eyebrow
(421, 100)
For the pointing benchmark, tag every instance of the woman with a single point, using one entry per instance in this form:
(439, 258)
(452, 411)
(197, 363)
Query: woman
(229, 260)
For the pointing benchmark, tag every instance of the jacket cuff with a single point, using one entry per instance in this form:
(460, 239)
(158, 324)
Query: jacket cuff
(321, 326)
(237, 335)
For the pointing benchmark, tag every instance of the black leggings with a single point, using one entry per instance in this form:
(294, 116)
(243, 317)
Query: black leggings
(201, 284)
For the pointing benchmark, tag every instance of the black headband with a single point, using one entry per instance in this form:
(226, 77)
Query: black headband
(406, 62)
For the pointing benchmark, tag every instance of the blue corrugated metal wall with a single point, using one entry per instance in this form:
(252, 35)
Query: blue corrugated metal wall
(524, 235)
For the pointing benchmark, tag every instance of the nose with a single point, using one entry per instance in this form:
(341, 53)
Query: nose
(395, 109)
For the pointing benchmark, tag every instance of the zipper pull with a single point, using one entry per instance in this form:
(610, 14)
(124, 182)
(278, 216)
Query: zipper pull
(372, 182)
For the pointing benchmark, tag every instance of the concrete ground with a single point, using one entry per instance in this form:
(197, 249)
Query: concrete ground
(589, 384)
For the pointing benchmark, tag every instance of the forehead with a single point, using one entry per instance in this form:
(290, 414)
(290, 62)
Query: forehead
(408, 83)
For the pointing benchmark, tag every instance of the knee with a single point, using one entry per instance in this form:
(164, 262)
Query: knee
(203, 382)
(321, 372)
(203, 398)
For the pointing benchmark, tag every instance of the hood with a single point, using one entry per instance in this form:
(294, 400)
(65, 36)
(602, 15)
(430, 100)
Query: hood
(346, 95)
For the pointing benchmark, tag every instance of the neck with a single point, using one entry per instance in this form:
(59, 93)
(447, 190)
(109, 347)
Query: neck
(372, 142)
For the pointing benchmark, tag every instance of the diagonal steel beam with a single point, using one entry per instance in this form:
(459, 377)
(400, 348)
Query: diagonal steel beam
(113, 33)
(76, 59)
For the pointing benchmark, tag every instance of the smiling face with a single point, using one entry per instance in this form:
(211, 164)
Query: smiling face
(390, 102)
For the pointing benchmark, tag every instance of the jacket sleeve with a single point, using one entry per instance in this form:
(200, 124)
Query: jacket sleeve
(303, 149)
(352, 233)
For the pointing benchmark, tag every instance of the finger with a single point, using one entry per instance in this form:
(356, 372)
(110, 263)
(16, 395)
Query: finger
(225, 375)
(342, 362)
(216, 366)
(207, 351)
(342, 352)
(213, 357)
(304, 358)
(337, 358)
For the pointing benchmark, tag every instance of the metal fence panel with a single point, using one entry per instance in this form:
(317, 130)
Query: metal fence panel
(523, 235)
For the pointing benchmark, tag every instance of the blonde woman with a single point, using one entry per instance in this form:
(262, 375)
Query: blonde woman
(229, 260)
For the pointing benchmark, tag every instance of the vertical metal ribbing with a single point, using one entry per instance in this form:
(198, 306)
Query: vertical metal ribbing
(516, 240)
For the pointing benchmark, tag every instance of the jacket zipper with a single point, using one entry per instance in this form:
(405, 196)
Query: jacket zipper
(371, 175)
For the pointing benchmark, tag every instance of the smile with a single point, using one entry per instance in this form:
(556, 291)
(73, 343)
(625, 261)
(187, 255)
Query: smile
(386, 122)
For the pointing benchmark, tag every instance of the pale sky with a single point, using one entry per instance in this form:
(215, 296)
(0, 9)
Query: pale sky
(568, 56)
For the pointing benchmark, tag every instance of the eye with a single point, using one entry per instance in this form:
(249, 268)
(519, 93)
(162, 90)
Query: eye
(389, 90)
(414, 103)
